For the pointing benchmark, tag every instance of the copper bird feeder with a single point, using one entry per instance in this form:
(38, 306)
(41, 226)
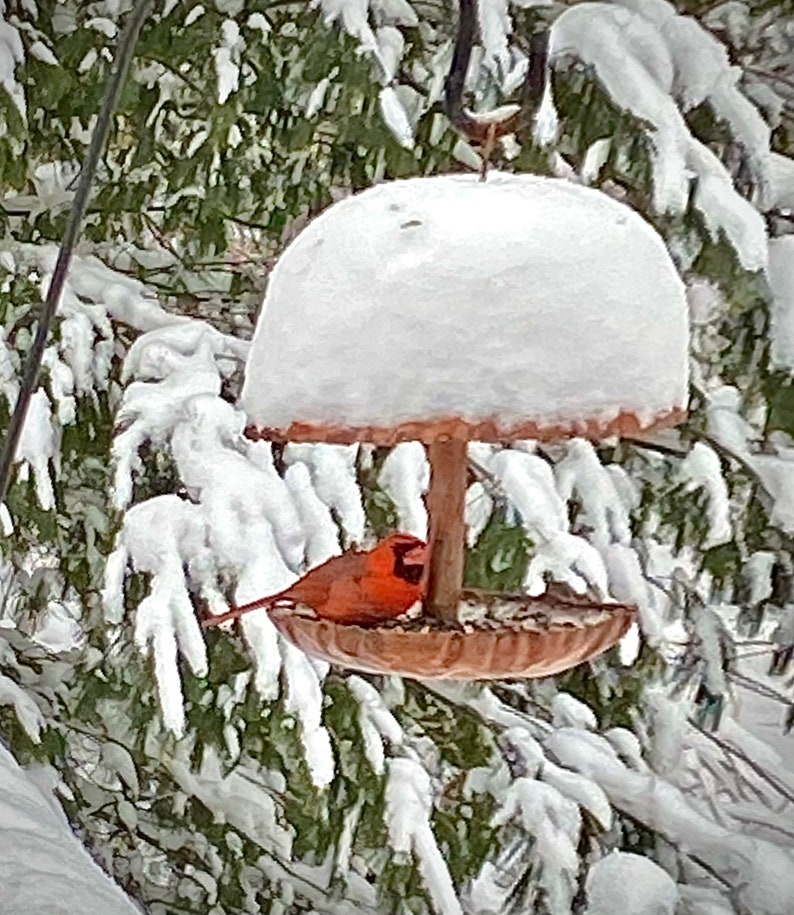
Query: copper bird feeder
(449, 310)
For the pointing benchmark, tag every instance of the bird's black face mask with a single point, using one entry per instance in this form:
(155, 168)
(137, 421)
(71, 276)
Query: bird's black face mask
(409, 567)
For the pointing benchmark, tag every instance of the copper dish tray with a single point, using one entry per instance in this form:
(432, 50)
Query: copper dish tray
(477, 651)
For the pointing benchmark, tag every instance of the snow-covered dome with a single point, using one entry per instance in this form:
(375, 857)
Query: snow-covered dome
(518, 307)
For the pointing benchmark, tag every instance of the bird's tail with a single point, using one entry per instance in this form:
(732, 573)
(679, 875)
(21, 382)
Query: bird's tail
(234, 612)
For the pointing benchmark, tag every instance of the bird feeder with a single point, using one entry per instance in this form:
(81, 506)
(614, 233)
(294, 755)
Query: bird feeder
(448, 310)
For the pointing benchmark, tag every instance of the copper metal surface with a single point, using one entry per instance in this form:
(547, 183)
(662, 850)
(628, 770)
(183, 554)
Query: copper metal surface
(478, 653)
(625, 423)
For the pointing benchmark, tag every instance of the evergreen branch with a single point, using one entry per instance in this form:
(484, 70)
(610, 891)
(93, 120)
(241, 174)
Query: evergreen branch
(489, 482)
(695, 859)
(126, 49)
(175, 72)
(757, 687)
(726, 452)
(755, 822)
(680, 451)
(771, 75)
(781, 788)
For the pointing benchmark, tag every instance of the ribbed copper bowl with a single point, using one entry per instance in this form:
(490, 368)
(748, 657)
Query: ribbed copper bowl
(498, 652)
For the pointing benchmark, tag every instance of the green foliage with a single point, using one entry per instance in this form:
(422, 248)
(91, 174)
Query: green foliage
(460, 737)
(613, 692)
(780, 397)
(190, 177)
(499, 559)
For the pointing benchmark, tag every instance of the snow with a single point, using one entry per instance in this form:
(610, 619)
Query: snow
(376, 722)
(554, 821)
(781, 176)
(567, 711)
(41, 52)
(407, 814)
(390, 48)
(583, 791)
(760, 873)
(781, 283)
(529, 485)
(333, 473)
(582, 474)
(658, 65)
(628, 884)
(242, 521)
(701, 469)
(570, 559)
(12, 53)
(396, 117)
(477, 513)
(774, 471)
(322, 536)
(165, 619)
(238, 797)
(495, 28)
(26, 710)
(538, 495)
(37, 448)
(758, 571)
(227, 57)
(304, 700)
(196, 13)
(353, 15)
(388, 286)
(404, 477)
(43, 866)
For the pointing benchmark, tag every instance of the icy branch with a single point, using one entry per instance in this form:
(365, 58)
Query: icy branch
(408, 808)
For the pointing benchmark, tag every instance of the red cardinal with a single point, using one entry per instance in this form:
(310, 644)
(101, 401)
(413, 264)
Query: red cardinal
(356, 587)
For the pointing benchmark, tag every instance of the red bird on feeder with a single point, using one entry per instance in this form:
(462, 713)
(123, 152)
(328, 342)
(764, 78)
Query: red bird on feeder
(364, 587)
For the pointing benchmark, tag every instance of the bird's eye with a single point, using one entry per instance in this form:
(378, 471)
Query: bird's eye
(412, 574)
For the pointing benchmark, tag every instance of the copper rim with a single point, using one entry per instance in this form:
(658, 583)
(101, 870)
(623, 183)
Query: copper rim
(428, 431)
(479, 654)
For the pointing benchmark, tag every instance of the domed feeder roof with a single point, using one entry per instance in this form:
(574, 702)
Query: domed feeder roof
(519, 307)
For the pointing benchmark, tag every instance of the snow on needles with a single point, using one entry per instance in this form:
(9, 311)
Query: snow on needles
(653, 62)
(657, 65)
(554, 821)
(241, 522)
(78, 360)
(12, 53)
(760, 873)
(781, 281)
(624, 882)
(774, 469)
(27, 712)
(165, 619)
(408, 809)
(701, 469)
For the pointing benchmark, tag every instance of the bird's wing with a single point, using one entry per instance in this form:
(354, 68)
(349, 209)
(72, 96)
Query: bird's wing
(344, 603)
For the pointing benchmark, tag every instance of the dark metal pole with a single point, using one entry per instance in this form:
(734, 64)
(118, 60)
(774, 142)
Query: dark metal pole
(455, 83)
(126, 48)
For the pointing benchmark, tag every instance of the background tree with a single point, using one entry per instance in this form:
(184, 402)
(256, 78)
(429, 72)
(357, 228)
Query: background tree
(240, 776)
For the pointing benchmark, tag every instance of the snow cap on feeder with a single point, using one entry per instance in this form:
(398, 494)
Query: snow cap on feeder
(519, 307)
